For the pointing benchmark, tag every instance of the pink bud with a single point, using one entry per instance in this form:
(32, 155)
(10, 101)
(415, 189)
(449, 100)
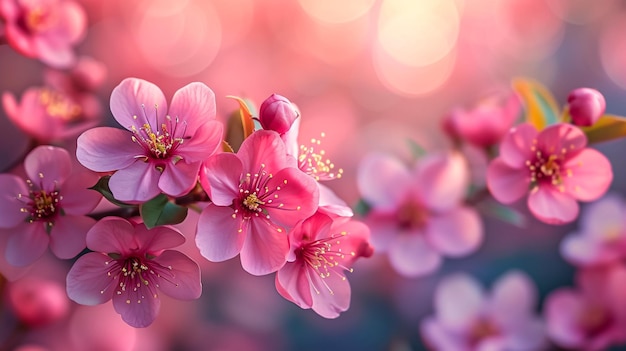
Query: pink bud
(586, 106)
(277, 114)
(38, 302)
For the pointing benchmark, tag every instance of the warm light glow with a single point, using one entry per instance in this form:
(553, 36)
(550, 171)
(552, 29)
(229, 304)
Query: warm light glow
(613, 50)
(418, 33)
(333, 11)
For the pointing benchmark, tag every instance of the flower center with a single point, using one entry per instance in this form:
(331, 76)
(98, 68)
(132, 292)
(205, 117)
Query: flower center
(37, 19)
(595, 319)
(481, 330)
(41, 205)
(252, 202)
(324, 258)
(314, 164)
(160, 143)
(411, 215)
(58, 105)
(546, 170)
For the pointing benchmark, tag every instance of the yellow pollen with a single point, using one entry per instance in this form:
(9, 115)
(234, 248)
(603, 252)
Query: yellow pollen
(252, 202)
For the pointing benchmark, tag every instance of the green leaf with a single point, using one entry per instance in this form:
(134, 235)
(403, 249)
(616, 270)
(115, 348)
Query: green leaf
(502, 212)
(539, 103)
(102, 186)
(161, 211)
(608, 127)
(362, 208)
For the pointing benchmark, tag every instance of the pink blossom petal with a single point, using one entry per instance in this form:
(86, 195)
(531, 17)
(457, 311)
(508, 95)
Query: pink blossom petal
(604, 219)
(494, 343)
(313, 228)
(293, 284)
(513, 299)
(138, 307)
(517, 146)
(332, 204)
(18, 40)
(136, 102)
(112, 235)
(178, 179)
(67, 238)
(48, 166)
(195, 104)
(223, 173)
(459, 300)
(551, 206)
(529, 334)
(507, 184)
(298, 194)
(73, 21)
(78, 199)
(10, 105)
(10, 207)
(411, 255)
(562, 308)
(218, 236)
(438, 337)
(265, 248)
(135, 183)
(582, 251)
(205, 142)
(456, 233)
(105, 149)
(382, 180)
(562, 136)
(331, 294)
(54, 54)
(88, 282)
(9, 271)
(264, 150)
(384, 229)
(290, 138)
(442, 180)
(155, 240)
(591, 175)
(184, 283)
(28, 243)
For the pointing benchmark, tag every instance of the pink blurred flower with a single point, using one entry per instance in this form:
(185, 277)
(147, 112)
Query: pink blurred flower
(130, 265)
(590, 318)
(601, 238)
(277, 113)
(44, 29)
(487, 122)
(555, 165)
(37, 302)
(258, 195)
(49, 115)
(321, 249)
(417, 214)
(162, 150)
(586, 106)
(467, 319)
(49, 208)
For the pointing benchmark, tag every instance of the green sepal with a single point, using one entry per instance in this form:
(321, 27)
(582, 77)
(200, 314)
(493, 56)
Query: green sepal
(102, 186)
(608, 127)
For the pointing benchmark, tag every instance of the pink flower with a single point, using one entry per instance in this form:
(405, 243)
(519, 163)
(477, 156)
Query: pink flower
(277, 114)
(467, 319)
(321, 249)
(44, 29)
(130, 265)
(586, 106)
(161, 150)
(258, 195)
(601, 238)
(555, 165)
(590, 318)
(48, 115)
(416, 214)
(487, 122)
(48, 209)
(38, 302)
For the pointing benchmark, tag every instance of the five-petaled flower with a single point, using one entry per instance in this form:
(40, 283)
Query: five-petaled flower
(321, 250)
(555, 165)
(258, 195)
(49, 208)
(131, 265)
(162, 150)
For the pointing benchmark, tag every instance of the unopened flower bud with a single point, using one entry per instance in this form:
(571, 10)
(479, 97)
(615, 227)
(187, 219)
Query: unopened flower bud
(38, 302)
(277, 114)
(586, 106)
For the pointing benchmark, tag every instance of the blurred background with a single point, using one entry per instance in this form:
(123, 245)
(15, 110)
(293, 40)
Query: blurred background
(371, 74)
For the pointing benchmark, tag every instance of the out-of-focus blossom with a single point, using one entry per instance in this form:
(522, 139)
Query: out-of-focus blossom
(37, 302)
(417, 214)
(277, 113)
(258, 195)
(161, 150)
(321, 249)
(590, 318)
(44, 29)
(555, 165)
(487, 122)
(586, 106)
(50, 115)
(80, 84)
(131, 265)
(467, 319)
(601, 238)
(48, 209)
